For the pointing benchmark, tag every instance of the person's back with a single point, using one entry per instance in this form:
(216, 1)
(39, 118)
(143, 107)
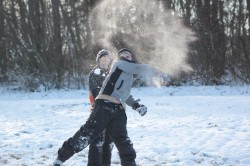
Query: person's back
(119, 81)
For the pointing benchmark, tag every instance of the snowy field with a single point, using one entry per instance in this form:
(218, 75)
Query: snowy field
(183, 126)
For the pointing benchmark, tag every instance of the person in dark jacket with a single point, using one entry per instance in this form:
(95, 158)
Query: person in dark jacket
(109, 113)
(99, 72)
(100, 150)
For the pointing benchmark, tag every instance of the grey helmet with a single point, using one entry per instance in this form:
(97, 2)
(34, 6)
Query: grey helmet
(101, 53)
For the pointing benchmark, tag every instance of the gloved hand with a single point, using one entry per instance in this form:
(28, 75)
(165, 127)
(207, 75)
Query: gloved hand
(142, 109)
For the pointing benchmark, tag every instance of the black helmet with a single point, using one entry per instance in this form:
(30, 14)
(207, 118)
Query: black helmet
(122, 50)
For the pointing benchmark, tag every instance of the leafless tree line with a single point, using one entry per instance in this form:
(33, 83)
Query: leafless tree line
(47, 42)
(223, 32)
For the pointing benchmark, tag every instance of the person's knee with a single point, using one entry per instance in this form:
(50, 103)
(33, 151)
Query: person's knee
(79, 144)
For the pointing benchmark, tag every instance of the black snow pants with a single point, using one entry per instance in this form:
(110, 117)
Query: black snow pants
(105, 115)
(100, 150)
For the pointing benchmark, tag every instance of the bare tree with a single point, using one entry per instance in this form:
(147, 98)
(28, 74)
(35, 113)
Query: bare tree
(49, 42)
(56, 46)
(3, 57)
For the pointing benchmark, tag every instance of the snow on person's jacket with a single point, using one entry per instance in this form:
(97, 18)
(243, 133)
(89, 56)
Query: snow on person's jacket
(118, 82)
(96, 78)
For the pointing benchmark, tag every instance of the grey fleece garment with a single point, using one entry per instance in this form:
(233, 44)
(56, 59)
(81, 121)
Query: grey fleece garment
(119, 81)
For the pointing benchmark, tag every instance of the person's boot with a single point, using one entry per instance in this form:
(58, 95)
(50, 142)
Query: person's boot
(57, 162)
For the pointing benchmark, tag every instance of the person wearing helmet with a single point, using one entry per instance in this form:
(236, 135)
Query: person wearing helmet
(109, 112)
(100, 150)
(98, 74)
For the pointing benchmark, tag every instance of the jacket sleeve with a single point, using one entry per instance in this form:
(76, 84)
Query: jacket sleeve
(135, 68)
(93, 87)
(130, 101)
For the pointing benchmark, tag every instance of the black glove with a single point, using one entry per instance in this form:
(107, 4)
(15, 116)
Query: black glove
(135, 106)
(142, 109)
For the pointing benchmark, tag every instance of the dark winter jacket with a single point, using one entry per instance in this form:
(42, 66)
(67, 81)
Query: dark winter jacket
(96, 78)
(119, 81)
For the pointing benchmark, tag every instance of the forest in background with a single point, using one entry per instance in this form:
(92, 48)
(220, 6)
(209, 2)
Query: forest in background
(48, 42)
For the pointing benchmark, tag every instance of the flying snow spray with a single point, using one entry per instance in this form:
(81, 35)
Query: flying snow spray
(154, 34)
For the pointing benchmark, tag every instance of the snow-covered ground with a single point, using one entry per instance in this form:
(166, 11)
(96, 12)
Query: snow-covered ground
(184, 126)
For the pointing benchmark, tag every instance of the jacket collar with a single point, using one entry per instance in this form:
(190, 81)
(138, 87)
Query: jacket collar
(124, 59)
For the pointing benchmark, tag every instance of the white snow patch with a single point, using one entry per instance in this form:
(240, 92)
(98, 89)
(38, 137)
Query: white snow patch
(183, 126)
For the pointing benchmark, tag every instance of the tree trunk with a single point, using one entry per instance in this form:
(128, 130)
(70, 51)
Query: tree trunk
(248, 8)
(57, 43)
(188, 12)
(3, 57)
